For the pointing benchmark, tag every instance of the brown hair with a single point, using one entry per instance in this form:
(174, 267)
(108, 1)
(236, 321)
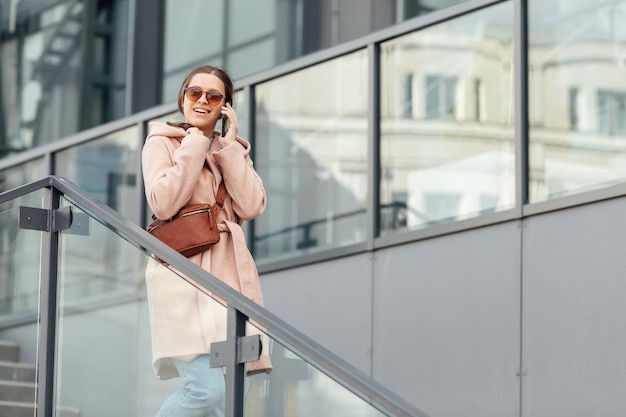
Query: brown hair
(218, 72)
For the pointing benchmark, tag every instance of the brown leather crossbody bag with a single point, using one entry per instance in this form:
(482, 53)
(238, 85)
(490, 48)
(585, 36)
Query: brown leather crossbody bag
(193, 229)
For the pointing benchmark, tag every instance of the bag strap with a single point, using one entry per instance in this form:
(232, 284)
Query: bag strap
(216, 208)
(219, 198)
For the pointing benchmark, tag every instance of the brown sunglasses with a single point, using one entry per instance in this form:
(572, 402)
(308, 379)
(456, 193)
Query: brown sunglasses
(194, 94)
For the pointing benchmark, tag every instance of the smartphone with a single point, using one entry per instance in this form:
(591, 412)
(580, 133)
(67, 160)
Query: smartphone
(225, 119)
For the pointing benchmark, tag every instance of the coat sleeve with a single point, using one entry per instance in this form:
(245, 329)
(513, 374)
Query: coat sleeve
(243, 183)
(171, 173)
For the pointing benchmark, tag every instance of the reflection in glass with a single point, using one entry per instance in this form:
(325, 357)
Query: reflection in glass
(311, 151)
(107, 169)
(297, 388)
(577, 96)
(447, 134)
(63, 68)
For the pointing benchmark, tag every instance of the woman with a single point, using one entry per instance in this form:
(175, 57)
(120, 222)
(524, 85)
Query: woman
(184, 163)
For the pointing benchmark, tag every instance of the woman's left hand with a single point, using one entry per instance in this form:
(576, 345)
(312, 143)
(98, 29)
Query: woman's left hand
(233, 127)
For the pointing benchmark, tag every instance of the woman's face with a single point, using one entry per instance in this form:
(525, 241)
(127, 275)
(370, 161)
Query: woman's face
(201, 113)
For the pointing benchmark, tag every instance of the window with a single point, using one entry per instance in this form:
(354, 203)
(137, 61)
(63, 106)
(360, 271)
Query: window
(612, 112)
(311, 151)
(479, 93)
(440, 97)
(577, 97)
(458, 147)
(63, 69)
(573, 108)
(408, 88)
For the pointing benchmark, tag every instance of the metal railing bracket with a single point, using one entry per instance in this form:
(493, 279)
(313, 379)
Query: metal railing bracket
(44, 220)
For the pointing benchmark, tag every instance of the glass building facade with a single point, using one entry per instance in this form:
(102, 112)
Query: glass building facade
(70, 65)
(374, 125)
(367, 122)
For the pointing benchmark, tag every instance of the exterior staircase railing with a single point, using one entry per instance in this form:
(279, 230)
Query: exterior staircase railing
(87, 312)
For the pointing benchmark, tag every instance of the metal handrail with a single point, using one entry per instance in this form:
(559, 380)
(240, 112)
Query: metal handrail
(351, 378)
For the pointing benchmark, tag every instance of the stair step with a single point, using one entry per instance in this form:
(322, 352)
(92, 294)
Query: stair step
(24, 409)
(9, 351)
(17, 391)
(16, 409)
(15, 371)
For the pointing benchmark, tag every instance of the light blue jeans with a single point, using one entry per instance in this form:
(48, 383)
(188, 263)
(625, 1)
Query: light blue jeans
(202, 393)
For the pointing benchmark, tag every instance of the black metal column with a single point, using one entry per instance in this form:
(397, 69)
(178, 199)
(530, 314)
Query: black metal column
(46, 346)
(147, 56)
(235, 371)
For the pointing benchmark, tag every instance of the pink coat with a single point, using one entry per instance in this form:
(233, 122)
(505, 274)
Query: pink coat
(180, 169)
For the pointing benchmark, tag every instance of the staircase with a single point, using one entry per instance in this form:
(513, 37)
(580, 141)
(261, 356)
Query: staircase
(17, 385)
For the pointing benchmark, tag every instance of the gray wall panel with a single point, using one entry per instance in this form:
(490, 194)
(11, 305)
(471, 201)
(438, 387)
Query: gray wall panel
(575, 311)
(447, 322)
(329, 302)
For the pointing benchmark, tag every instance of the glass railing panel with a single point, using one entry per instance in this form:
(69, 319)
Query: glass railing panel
(20, 254)
(96, 266)
(576, 96)
(107, 169)
(447, 128)
(103, 339)
(297, 388)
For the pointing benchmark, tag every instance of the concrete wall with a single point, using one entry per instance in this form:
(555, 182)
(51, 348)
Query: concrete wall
(476, 323)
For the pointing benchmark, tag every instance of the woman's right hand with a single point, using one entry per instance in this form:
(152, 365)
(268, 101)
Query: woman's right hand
(194, 131)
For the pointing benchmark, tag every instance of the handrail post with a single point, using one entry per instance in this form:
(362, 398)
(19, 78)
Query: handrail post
(48, 310)
(235, 371)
